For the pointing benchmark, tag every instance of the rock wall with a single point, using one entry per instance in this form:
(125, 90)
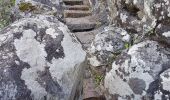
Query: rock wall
(141, 17)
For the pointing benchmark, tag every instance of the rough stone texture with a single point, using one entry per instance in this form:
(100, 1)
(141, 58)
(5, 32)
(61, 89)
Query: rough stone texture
(47, 7)
(85, 38)
(100, 11)
(143, 17)
(141, 73)
(76, 13)
(81, 24)
(39, 60)
(107, 43)
(51, 3)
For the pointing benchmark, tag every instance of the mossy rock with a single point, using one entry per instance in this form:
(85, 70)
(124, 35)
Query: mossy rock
(26, 7)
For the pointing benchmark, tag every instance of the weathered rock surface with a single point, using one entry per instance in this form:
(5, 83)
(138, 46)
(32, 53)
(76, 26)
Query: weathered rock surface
(49, 3)
(85, 38)
(76, 13)
(100, 11)
(107, 43)
(77, 7)
(27, 8)
(81, 24)
(141, 73)
(144, 17)
(39, 60)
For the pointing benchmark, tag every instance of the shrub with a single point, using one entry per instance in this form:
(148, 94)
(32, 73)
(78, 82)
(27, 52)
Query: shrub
(5, 11)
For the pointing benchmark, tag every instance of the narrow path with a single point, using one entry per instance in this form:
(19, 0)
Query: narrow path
(79, 19)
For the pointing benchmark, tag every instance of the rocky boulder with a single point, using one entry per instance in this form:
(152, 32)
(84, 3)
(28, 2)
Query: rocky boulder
(141, 73)
(145, 17)
(39, 59)
(107, 43)
(100, 11)
(27, 8)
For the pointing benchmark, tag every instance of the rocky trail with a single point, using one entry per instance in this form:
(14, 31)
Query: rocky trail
(84, 50)
(79, 19)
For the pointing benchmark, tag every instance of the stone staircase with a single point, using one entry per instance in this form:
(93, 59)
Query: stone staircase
(77, 15)
(79, 19)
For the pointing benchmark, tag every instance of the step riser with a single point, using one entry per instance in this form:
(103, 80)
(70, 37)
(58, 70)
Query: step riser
(76, 15)
(81, 28)
(72, 8)
(73, 2)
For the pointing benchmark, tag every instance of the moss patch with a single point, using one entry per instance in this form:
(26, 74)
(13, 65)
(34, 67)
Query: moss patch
(26, 7)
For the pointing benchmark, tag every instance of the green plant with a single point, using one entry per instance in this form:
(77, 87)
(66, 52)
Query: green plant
(127, 45)
(12, 2)
(24, 6)
(151, 32)
(5, 11)
(98, 79)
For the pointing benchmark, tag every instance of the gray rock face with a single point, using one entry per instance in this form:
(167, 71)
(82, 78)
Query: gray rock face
(39, 59)
(34, 7)
(142, 72)
(141, 16)
(51, 3)
(107, 43)
(100, 11)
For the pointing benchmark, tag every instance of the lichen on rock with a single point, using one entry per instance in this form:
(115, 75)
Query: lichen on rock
(139, 73)
(42, 62)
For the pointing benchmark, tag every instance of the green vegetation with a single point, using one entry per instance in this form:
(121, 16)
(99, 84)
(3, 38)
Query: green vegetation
(127, 45)
(5, 11)
(12, 2)
(98, 79)
(26, 7)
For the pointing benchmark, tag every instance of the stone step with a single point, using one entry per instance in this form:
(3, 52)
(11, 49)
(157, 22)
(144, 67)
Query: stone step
(76, 13)
(73, 2)
(85, 38)
(77, 7)
(80, 24)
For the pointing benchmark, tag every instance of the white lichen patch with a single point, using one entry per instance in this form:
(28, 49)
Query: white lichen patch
(52, 32)
(148, 7)
(74, 54)
(32, 52)
(93, 61)
(166, 34)
(158, 95)
(64, 71)
(3, 38)
(115, 85)
(166, 80)
(168, 11)
(166, 2)
(123, 17)
(126, 38)
(144, 58)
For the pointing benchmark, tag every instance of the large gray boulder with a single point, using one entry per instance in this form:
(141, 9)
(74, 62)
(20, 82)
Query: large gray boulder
(141, 73)
(39, 60)
(144, 17)
(108, 43)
